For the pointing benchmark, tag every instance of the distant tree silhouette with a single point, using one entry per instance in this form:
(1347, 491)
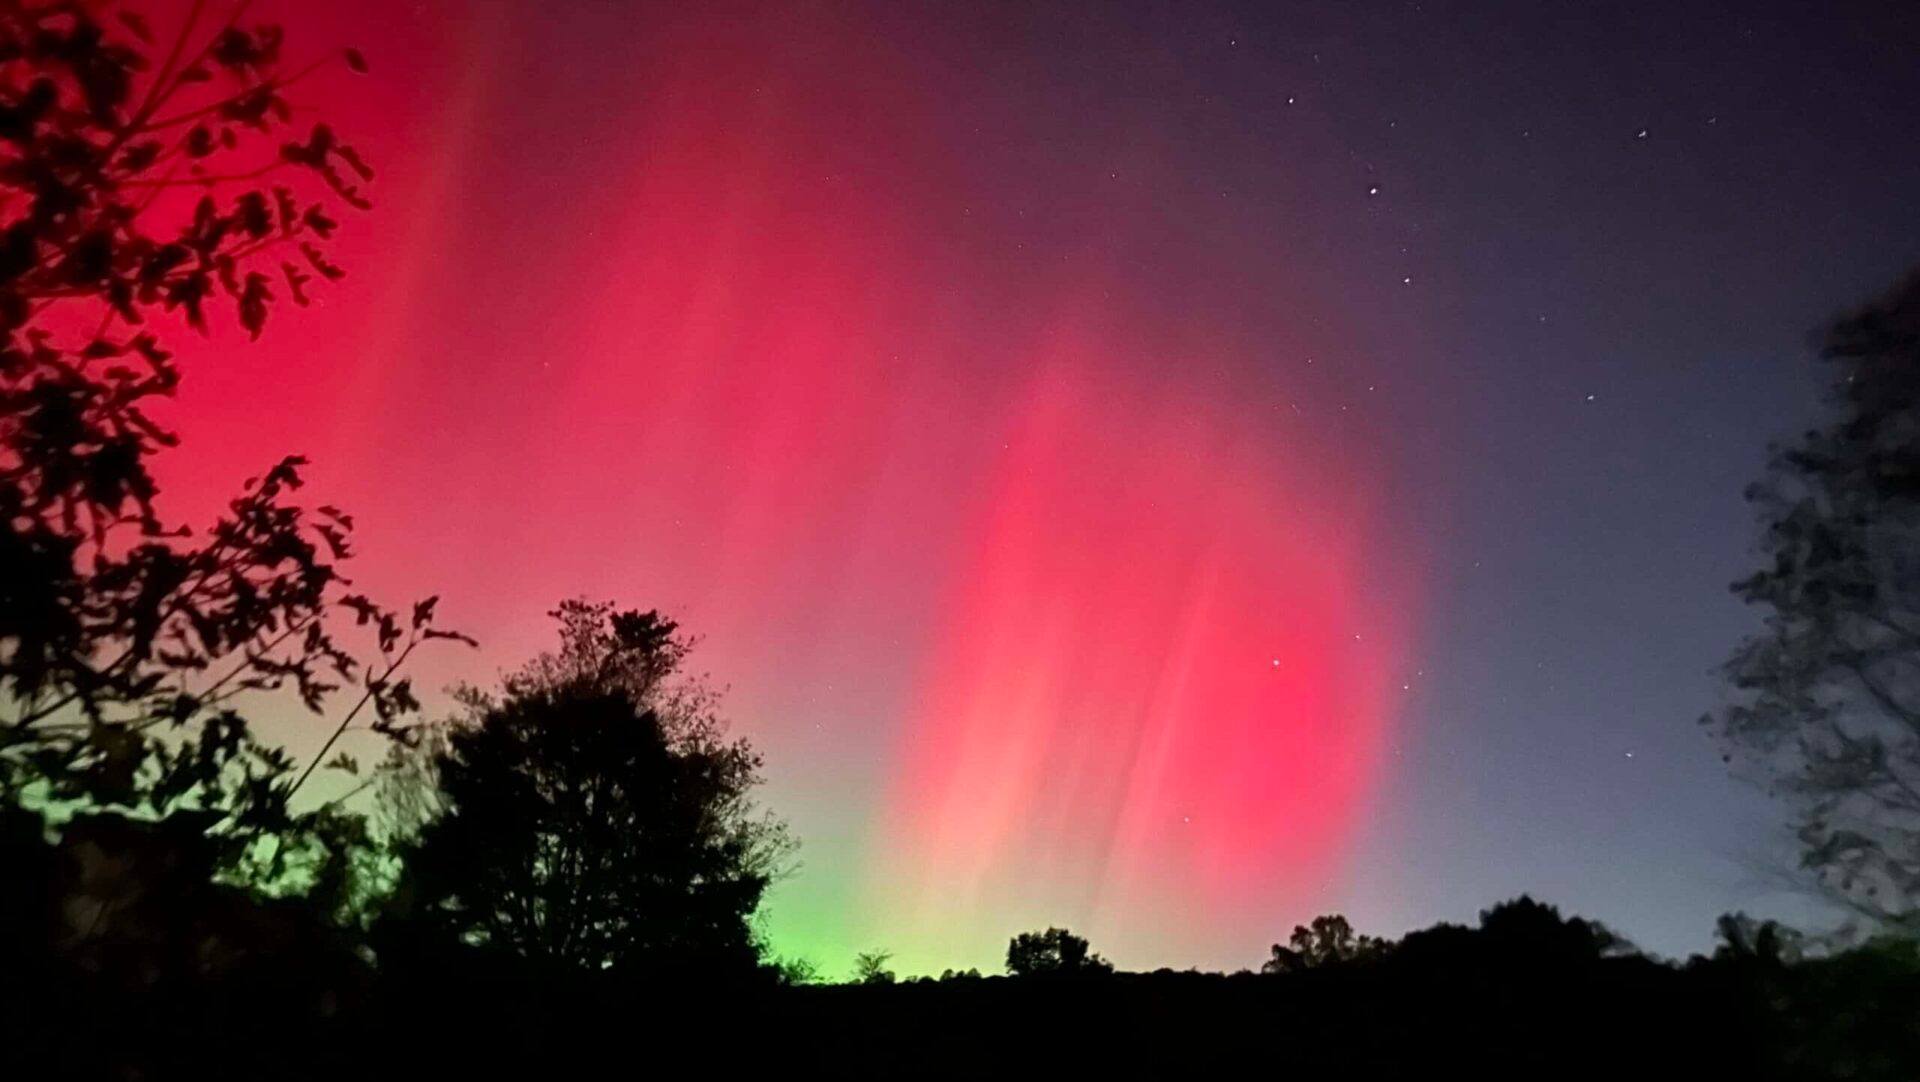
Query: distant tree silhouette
(1827, 696)
(1054, 952)
(1742, 938)
(796, 971)
(134, 652)
(592, 814)
(871, 967)
(1329, 940)
(1537, 933)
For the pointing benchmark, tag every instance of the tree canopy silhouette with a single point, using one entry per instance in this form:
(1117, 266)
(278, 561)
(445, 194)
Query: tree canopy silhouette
(1327, 941)
(1763, 942)
(873, 967)
(1536, 933)
(145, 185)
(1827, 695)
(593, 814)
(1054, 952)
(133, 649)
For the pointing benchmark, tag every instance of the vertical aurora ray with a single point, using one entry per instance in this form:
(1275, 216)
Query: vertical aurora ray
(1159, 695)
(994, 562)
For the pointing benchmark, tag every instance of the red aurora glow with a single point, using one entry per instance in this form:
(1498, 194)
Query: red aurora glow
(1036, 616)
(1160, 686)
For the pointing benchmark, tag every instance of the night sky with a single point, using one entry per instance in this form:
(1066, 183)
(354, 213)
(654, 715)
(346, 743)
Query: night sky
(1163, 469)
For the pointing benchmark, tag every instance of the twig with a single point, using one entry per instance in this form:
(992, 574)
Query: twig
(372, 686)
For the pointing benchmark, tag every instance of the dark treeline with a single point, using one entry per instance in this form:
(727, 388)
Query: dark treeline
(562, 875)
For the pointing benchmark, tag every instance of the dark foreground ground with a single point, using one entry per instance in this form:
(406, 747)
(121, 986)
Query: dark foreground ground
(1433, 1012)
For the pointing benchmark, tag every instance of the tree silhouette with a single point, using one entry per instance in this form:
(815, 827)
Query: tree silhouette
(795, 971)
(1328, 940)
(133, 650)
(593, 815)
(1054, 952)
(871, 967)
(1826, 700)
(1765, 942)
(1536, 932)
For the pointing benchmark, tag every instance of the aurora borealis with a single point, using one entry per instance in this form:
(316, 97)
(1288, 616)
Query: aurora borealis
(1165, 471)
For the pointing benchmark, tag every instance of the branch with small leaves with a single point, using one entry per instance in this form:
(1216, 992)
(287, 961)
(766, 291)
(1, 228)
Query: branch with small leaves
(132, 650)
